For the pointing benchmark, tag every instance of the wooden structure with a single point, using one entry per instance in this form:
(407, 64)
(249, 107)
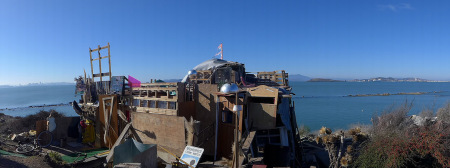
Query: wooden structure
(160, 111)
(262, 102)
(108, 119)
(100, 57)
(228, 119)
(274, 78)
(202, 77)
(158, 98)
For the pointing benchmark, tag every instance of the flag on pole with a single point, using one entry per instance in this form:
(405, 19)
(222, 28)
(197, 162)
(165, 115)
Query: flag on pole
(220, 51)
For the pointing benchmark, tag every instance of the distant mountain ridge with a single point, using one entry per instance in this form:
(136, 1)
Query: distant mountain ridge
(38, 84)
(323, 80)
(391, 79)
(298, 78)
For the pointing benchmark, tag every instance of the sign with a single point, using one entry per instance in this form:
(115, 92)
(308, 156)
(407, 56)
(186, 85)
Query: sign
(191, 155)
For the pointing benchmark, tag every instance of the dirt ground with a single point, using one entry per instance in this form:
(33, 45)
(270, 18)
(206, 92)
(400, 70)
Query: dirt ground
(19, 162)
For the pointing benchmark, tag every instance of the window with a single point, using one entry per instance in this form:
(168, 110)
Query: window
(227, 117)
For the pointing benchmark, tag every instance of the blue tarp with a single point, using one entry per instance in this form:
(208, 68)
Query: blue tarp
(284, 111)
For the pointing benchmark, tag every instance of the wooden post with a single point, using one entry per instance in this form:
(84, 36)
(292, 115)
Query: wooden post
(100, 62)
(236, 133)
(109, 62)
(92, 67)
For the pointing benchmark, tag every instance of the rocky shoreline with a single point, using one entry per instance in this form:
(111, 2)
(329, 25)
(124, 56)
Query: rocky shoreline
(392, 94)
(38, 106)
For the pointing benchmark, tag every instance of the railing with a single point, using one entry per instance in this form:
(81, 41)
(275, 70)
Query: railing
(274, 78)
(159, 98)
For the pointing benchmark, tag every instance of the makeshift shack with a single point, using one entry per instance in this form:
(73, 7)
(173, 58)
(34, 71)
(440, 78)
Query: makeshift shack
(254, 122)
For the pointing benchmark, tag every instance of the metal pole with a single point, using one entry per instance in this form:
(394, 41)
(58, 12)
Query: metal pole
(217, 127)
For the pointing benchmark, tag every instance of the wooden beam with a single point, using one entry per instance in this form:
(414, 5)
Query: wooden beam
(100, 48)
(159, 84)
(109, 62)
(100, 75)
(92, 67)
(100, 62)
(155, 88)
(246, 146)
(156, 99)
(156, 110)
(100, 58)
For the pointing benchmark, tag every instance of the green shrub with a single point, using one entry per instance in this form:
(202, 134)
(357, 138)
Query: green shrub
(304, 130)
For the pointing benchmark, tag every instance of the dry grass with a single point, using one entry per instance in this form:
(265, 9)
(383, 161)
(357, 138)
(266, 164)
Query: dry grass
(393, 120)
(27, 123)
(443, 114)
(325, 130)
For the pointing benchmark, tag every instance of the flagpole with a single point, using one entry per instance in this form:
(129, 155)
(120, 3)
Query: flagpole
(221, 51)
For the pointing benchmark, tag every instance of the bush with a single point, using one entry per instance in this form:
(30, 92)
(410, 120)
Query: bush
(397, 142)
(393, 120)
(443, 114)
(24, 124)
(304, 130)
(56, 159)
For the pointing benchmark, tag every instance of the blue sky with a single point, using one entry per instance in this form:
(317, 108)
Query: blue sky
(48, 41)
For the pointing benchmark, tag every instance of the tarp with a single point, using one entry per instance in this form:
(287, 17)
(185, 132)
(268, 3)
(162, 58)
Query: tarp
(89, 132)
(134, 82)
(80, 86)
(3, 152)
(127, 151)
(117, 85)
(74, 157)
(208, 65)
(284, 111)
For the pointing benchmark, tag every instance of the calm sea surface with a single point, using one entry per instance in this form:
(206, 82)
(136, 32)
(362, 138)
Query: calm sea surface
(317, 103)
(320, 104)
(18, 99)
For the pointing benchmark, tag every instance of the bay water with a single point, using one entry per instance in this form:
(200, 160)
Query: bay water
(327, 104)
(317, 104)
(16, 101)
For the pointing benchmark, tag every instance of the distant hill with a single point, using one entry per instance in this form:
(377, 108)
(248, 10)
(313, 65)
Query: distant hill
(391, 79)
(323, 80)
(38, 84)
(5, 86)
(172, 80)
(49, 84)
(298, 78)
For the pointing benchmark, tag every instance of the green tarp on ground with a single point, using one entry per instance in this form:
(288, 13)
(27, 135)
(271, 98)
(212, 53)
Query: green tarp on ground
(2, 152)
(71, 158)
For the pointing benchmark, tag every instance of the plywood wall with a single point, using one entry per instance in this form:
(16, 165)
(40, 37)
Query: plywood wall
(205, 111)
(263, 116)
(164, 130)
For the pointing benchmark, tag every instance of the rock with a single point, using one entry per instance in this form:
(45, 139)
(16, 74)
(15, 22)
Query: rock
(421, 121)
(12, 137)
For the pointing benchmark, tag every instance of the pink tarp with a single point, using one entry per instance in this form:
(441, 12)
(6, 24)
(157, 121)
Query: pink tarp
(133, 82)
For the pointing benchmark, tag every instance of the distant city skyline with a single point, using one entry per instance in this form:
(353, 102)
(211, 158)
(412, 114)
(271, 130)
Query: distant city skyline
(48, 41)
